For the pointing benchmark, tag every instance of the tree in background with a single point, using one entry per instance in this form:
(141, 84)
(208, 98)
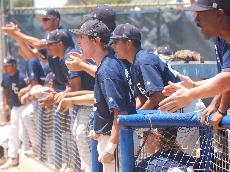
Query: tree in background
(23, 3)
(10, 4)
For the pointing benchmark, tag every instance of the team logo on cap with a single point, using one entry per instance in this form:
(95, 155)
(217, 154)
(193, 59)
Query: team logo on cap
(44, 13)
(214, 5)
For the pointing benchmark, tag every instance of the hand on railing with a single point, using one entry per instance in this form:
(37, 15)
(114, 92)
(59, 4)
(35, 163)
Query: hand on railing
(207, 112)
(212, 119)
(59, 96)
(216, 119)
(48, 101)
(64, 104)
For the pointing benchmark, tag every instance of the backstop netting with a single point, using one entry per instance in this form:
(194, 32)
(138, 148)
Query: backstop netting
(171, 142)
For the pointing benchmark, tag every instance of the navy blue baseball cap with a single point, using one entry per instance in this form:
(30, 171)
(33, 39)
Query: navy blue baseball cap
(126, 31)
(94, 28)
(204, 5)
(50, 13)
(104, 13)
(9, 60)
(56, 36)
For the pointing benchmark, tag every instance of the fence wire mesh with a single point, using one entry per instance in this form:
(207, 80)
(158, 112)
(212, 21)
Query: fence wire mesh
(168, 149)
(60, 140)
(175, 148)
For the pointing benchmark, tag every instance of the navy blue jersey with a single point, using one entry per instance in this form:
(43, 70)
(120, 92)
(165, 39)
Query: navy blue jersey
(34, 70)
(87, 81)
(221, 47)
(13, 86)
(112, 90)
(150, 74)
(46, 68)
(164, 162)
(59, 68)
(226, 61)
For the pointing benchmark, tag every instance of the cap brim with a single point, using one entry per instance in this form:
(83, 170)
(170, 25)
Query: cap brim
(46, 16)
(5, 64)
(43, 78)
(77, 31)
(116, 37)
(88, 16)
(196, 8)
(51, 42)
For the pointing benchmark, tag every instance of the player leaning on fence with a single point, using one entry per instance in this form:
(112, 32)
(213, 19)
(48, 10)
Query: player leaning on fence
(112, 92)
(150, 74)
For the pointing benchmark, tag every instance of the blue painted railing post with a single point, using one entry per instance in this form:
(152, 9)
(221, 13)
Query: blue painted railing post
(96, 165)
(127, 149)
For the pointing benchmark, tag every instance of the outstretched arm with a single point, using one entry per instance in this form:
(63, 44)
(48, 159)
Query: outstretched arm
(65, 103)
(12, 29)
(182, 97)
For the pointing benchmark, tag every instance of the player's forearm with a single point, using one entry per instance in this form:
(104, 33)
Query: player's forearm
(27, 51)
(115, 133)
(225, 102)
(32, 41)
(89, 68)
(153, 101)
(201, 82)
(37, 90)
(148, 105)
(24, 91)
(85, 100)
(214, 86)
(79, 93)
(138, 103)
(24, 50)
(5, 97)
(216, 101)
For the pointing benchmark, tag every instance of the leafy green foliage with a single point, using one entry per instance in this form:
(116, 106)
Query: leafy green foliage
(23, 3)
